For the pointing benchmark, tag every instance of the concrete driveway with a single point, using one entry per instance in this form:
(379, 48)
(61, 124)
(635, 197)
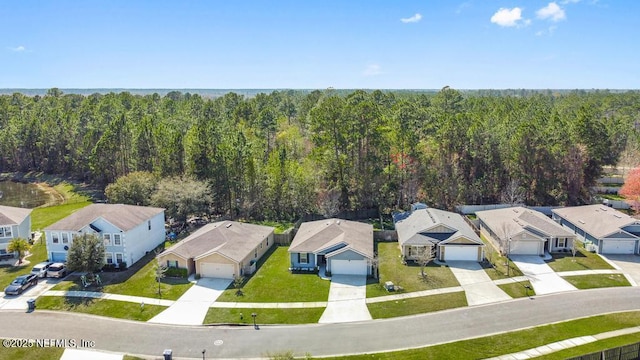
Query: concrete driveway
(19, 302)
(347, 296)
(191, 308)
(477, 285)
(542, 277)
(629, 264)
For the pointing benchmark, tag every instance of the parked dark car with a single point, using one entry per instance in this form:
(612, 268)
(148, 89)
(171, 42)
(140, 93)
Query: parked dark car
(20, 284)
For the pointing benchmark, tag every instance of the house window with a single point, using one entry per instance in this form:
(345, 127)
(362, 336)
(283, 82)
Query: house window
(117, 239)
(267, 241)
(304, 258)
(172, 264)
(255, 253)
(260, 245)
(65, 238)
(107, 239)
(54, 238)
(119, 258)
(149, 224)
(5, 231)
(561, 242)
(108, 257)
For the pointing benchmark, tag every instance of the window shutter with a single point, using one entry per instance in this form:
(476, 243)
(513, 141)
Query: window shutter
(298, 258)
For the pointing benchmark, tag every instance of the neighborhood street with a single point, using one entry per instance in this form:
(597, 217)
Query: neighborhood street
(319, 339)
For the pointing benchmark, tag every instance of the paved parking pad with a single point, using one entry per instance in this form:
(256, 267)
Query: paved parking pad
(629, 264)
(191, 308)
(19, 302)
(478, 287)
(542, 277)
(347, 300)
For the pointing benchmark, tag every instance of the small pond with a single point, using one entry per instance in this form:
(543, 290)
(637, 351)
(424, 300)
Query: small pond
(21, 195)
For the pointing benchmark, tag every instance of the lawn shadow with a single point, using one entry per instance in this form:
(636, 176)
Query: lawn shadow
(73, 302)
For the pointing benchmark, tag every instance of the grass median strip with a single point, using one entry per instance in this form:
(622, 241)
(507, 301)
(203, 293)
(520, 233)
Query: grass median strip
(593, 347)
(518, 289)
(419, 305)
(516, 341)
(597, 281)
(110, 308)
(264, 316)
(584, 260)
(42, 353)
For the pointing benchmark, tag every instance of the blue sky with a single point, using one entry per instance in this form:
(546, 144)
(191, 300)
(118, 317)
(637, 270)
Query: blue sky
(320, 43)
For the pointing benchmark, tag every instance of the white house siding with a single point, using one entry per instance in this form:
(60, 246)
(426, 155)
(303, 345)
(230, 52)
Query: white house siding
(22, 230)
(139, 240)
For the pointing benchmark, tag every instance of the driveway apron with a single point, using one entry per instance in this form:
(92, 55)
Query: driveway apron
(478, 287)
(191, 308)
(543, 279)
(629, 264)
(347, 296)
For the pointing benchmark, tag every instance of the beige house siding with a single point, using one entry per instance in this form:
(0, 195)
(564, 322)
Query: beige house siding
(462, 241)
(182, 263)
(494, 242)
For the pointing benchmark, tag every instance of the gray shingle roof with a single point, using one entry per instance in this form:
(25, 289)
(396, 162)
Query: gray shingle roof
(10, 215)
(597, 220)
(314, 236)
(516, 219)
(124, 217)
(231, 239)
(411, 226)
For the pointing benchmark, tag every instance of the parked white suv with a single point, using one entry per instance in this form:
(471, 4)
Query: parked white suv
(40, 270)
(57, 270)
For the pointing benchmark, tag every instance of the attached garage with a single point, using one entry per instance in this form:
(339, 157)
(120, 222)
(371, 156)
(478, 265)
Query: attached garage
(460, 252)
(58, 256)
(618, 246)
(525, 248)
(217, 270)
(349, 267)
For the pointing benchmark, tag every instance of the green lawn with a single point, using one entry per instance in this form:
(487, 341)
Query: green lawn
(280, 226)
(273, 282)
(8, 273)
(518, 289)
(516, 341)
(419, 305)
(593, 347)
(42, 353)
(264, 316)
(496, 264)
(597, 281)
(407, 276)
(110, 308)
(44, 216)
(584, 260)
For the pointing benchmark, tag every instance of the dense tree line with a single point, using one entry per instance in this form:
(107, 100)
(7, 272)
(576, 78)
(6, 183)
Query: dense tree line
(287, 153)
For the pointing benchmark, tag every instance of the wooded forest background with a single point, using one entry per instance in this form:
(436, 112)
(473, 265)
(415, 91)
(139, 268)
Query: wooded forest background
(288, 153)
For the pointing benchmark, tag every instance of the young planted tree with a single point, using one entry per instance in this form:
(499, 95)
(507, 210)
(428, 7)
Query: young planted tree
(160, 273)
(19, 245)
(424, 258)
(86, 254)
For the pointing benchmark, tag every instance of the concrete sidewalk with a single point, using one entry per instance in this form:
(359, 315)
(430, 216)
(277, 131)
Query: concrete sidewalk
(478, 287)
(565, 344)
(281, 305)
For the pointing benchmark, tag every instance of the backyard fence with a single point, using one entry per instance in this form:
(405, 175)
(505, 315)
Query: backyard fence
(627, 352)
(385, 235)
(285, 238)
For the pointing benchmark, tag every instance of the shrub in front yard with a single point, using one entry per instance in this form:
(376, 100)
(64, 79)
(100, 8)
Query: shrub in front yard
(176, 272)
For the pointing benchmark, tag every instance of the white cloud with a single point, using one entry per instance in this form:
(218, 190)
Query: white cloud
(564, 2)
(415, 18)
(549, 31)
(552, 12)
(18, 49)
(372, 70)
(509, 17)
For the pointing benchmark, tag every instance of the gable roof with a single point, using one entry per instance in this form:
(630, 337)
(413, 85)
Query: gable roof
(514, 220)
(124, 217)
(597, 220)
(231, 239)
(414, 227)
(314, 236)
(10, 215)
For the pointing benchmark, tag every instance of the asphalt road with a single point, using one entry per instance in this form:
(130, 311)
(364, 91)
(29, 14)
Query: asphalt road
(318, 339)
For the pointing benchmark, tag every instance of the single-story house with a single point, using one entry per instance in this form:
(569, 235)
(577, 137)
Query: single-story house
(522, 231)
(224, 249)
(444, 233)
(128, 231)
(603, 229)
(14, 223)
(343, 246)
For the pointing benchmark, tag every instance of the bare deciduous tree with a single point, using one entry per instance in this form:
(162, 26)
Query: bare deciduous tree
(424, 258)
(512, 194)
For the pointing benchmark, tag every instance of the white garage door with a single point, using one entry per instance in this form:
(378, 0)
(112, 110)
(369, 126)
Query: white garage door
(457, 252)
(525, 248)
(349, 267)
(216, 270)
(618, 246)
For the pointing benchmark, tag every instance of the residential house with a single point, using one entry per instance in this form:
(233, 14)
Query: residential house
(342, 246)
(444, 233)
(603, 229)
(14, 223)
(128, 231)
(522, 231)
(224, 249)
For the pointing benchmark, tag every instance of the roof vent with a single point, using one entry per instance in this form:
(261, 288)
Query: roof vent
(338, 222)
(581, 221)
(618, 216)
(228, 225)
